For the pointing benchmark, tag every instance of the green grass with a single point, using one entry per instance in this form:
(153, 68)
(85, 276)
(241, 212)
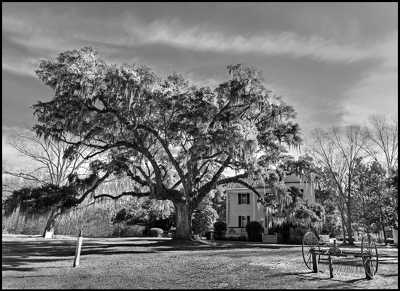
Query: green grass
(32, 262)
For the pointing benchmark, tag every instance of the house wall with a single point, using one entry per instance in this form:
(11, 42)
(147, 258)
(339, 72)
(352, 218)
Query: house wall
(255, 210)
(234, 210)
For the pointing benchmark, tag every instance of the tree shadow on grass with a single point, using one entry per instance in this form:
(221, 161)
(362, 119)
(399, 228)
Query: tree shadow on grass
(389, 275)
(20, 255)
(9, 263)
(27, 251)
(281, 274)
(25, 276)
(178, 245)
(336, 282)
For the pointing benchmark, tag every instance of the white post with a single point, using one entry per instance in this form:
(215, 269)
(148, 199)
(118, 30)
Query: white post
(78, 249)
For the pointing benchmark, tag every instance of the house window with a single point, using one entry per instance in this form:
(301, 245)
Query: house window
(243, 198)
(243, 220)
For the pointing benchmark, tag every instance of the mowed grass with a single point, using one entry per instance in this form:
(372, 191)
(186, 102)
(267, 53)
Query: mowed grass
(32, 262)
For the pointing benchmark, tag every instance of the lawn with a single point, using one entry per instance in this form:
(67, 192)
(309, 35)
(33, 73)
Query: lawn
(32, 262)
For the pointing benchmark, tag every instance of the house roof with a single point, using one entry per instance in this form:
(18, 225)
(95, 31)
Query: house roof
(259, 184)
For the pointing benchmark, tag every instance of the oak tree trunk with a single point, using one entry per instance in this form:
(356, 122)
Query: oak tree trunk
(183, 221)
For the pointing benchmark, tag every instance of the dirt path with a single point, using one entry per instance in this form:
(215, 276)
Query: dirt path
(32, 262)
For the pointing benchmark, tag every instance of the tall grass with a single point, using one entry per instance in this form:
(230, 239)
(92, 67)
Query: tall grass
(95, 220)
(20, 223)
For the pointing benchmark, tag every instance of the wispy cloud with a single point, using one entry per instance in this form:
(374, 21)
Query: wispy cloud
(128, 30)
(289, 44)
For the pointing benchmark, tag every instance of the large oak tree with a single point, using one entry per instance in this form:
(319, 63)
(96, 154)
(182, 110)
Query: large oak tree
(173, 139)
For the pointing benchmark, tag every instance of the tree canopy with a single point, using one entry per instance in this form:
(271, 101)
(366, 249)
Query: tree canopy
(172, 138)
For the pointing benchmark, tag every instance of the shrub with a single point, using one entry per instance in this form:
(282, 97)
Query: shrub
(242, 238)
(156, 232)
(254, 231)
(219, 230)
(283, 231)
(296, 234)
(220, 226)
(152, 212)
(273, 229)
(289, 233)
(120, 216)
(126, 230)
(331, 226)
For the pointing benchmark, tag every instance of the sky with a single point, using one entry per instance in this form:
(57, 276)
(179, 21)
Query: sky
(335, 63)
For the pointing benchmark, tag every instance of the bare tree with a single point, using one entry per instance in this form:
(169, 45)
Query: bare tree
(383, 147)
(338, 150)
(383, 141)
(50, 166)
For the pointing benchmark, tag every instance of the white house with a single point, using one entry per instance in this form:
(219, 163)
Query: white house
(242, 206)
